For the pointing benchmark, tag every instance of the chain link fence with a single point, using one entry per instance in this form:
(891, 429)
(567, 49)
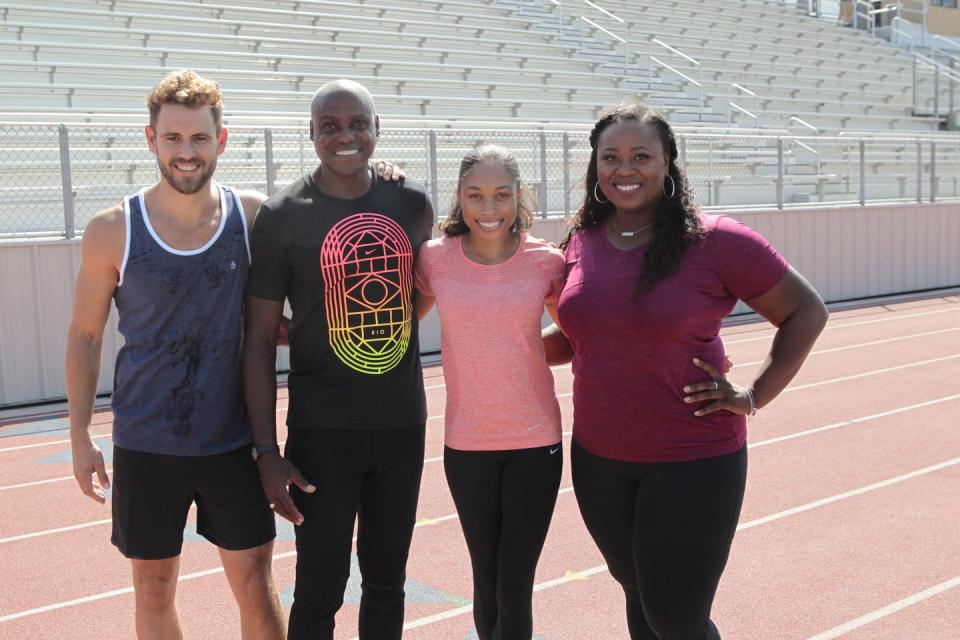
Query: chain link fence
(55, 178)
(32, 193)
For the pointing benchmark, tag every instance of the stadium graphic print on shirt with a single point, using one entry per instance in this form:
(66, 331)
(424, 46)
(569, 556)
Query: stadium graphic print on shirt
(367, 265)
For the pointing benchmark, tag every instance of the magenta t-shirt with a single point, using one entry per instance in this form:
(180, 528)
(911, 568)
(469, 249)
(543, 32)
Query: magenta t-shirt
(500, 392)
(633, 351)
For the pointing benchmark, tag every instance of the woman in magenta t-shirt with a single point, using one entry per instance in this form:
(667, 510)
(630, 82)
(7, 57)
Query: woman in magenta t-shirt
(502, 457)
(658, 454)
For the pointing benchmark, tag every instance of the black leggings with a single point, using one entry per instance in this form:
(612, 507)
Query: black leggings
(505, 500)
(372, 477)
(665, 531)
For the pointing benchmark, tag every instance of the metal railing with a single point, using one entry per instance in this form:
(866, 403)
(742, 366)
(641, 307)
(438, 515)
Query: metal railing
(624, 40)
(902, 30)
(941, 73)
(53, 178)
(920, 16)
(816, 133)
(651, 59)
(731, 105)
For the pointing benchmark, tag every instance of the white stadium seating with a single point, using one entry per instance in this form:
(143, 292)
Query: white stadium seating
(772, 104)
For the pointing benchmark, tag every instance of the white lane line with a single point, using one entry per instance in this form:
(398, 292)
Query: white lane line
(189, 576)
(860, 345)
(874, 372)
(762, 443)
(821, 351)
(735, 366)
(569, 576)
(831, 326)
(849, 494)
(845, 423)
(49, 532)
(890, 609)
(67, 441)
(97, 596)
(747, 525)
(911, 336)
(582, 575)
(24, 485)
(49, 443)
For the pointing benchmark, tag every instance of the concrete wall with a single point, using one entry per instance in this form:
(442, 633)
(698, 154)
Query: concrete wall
(847, 253)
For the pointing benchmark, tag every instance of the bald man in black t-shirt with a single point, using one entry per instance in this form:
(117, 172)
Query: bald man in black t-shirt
(340, 245)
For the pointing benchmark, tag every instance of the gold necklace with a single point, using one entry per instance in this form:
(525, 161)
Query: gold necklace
(630, 234)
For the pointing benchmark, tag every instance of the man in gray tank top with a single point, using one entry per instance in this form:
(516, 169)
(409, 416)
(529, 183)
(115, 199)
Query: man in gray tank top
(174, 258)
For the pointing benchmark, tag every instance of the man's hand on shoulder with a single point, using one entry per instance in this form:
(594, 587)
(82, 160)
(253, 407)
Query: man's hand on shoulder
(388, 171)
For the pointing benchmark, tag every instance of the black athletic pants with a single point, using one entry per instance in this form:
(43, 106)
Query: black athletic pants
(373, 477)
(665, 531)
(505, 501)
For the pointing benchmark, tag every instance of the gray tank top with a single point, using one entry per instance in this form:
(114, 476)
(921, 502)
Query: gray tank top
(177, 386)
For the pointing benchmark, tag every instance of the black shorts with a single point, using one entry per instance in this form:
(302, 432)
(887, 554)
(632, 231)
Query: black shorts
(152, 494)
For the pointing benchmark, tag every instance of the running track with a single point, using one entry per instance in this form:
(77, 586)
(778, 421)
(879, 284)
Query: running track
(849, 528)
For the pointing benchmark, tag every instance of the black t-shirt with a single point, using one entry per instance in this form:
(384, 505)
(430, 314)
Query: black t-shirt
(346, 266)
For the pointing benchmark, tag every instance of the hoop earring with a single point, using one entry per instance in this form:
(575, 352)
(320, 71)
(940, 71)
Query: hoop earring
(673, 188)
(596, 196)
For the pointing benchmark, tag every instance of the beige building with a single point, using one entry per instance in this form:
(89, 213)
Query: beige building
(943, 16)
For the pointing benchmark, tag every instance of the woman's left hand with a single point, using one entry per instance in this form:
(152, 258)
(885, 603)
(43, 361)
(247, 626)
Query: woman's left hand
(726, 396)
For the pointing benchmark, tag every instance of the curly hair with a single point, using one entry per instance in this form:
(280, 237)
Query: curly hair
(189, 89)
(454, 225)
(676, 223)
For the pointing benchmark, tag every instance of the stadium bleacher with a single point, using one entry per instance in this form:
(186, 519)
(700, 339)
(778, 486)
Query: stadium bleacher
(772, 104)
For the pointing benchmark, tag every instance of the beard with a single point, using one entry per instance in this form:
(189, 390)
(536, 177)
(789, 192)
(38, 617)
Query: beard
(187, 185)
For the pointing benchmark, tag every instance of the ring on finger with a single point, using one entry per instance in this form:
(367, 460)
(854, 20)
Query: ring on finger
(716, 385)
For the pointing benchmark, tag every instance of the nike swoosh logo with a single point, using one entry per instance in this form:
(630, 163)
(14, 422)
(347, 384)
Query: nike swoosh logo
(555, 449)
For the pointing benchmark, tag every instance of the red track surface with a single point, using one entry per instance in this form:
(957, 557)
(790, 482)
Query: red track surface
(849, 528)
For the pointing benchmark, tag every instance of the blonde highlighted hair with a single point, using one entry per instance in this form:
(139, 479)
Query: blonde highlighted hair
(189, 89)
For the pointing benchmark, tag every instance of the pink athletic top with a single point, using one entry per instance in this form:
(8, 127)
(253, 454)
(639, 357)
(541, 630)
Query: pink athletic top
(499, 388)
(633, 351)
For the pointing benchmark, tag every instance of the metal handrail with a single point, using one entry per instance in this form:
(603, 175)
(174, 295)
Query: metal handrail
(922, 12)
(733, 105)
(559, 5)
(939, 69)
(811, 8)
(870, 14)
(625, 40)
(816, 133)
(651, 59)
(676, 51)
(606, 31)
(605, 12)
(897, 31)
(939, 36)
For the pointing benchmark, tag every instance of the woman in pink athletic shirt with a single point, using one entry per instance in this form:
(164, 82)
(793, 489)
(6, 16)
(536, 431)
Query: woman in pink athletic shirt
(658, 454)
(503, 457)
